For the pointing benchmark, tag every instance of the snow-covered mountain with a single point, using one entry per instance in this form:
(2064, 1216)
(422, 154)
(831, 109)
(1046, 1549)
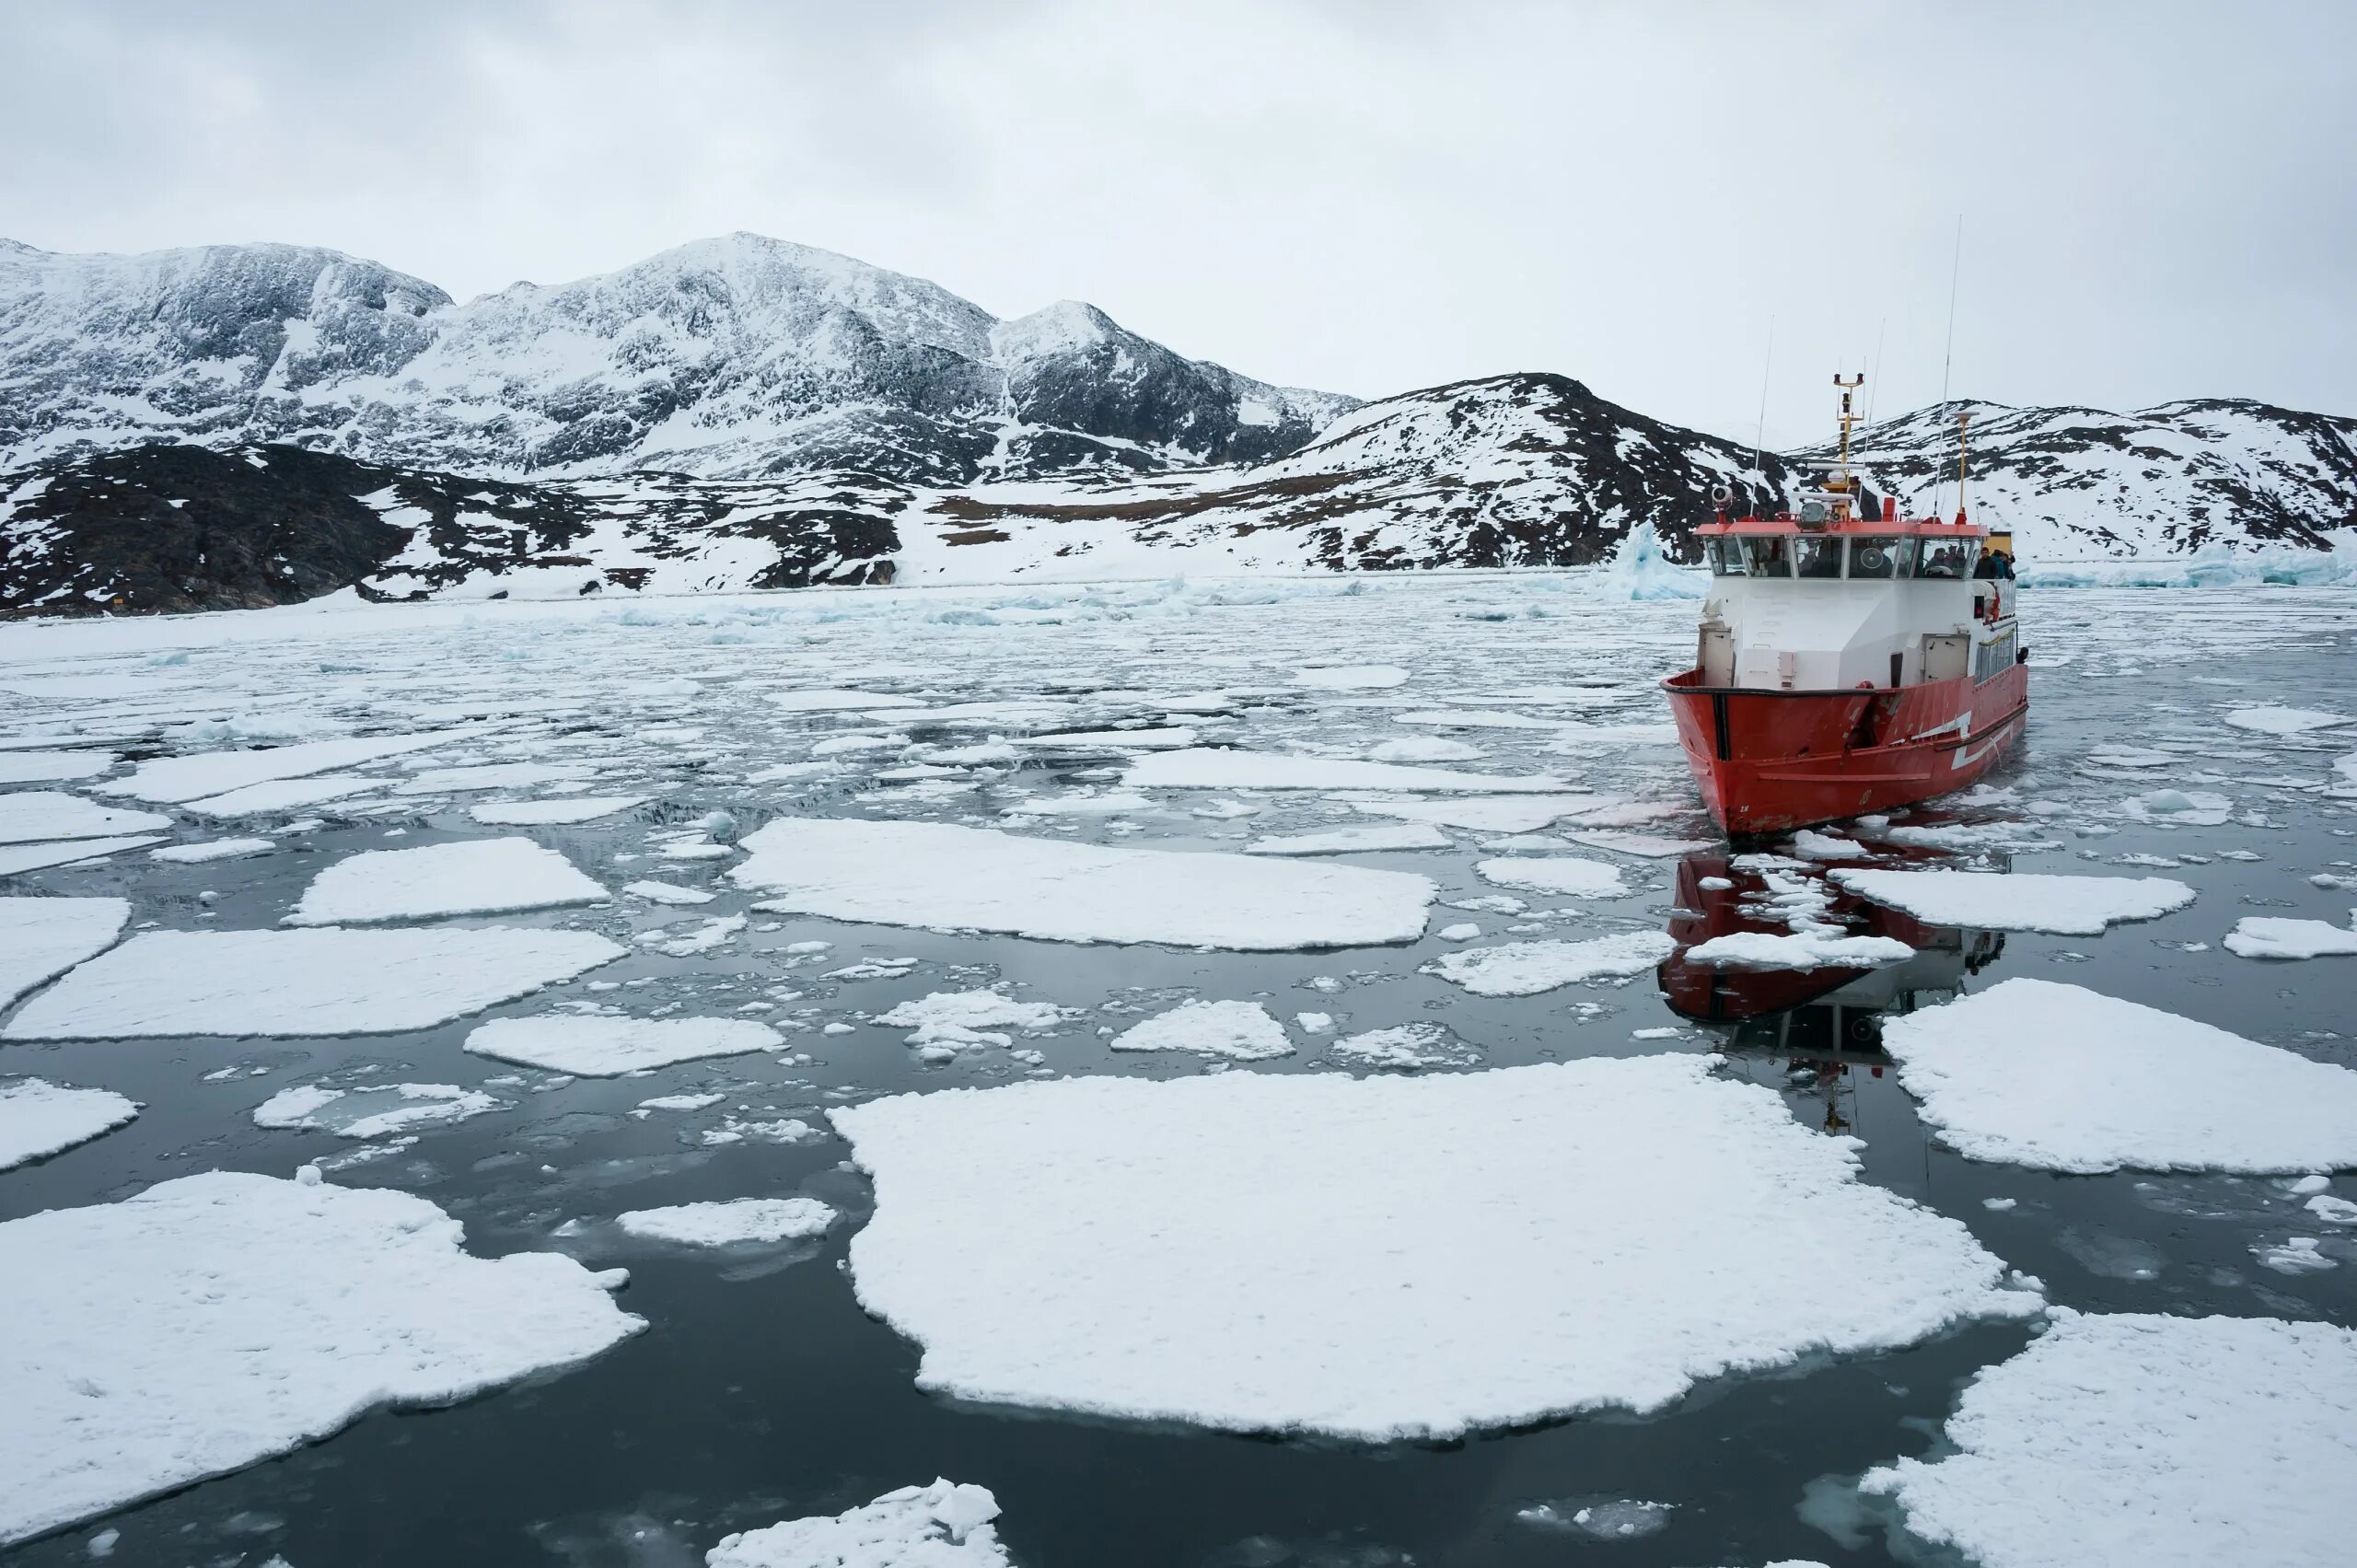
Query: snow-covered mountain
(732, 357)
(2078, 482)
(1513, 471)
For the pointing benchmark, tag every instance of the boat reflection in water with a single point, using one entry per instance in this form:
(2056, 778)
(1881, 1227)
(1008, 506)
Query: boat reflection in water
(1815, 1024)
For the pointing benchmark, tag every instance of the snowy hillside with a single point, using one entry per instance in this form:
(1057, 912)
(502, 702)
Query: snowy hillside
(732, 357)
(1517, 471)
(2081, 482)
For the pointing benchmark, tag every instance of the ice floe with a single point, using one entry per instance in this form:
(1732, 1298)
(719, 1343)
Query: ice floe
(1646, 846)
(1239, 1032)
(1073, 1244)
(941, 1526)
(33, 857)
(39, 1118)
(2035, 1073)
(2275, 936)
(594, 1045)
(284, 795)
(1808, 949)
(1564, 874)
(1404, 1047)
(1222, 768)
(2276, 719)
(49, 767)
(833, 702)
(557, 812)
(374, 1111)
(32, 816)
(214, 1321)
(1989, 900)
(42, 938)
(470, 877)
(1525, 968)
(2165, 1442)
(943, 877)
(1353, 678)
(1352, 840)
(667, 893)
(301, 982)
(170, 780)
(1494, 814)
(736, 1222)
(209, 850)
(968, 1018)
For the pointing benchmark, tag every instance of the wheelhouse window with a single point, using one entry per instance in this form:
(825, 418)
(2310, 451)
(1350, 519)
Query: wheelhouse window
(1876, 557)
(1767, 557)
(1816, 557)
(1949, 558)
(1725, 557)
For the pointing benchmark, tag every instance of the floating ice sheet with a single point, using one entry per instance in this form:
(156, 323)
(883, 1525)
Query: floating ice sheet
(33, 857)
(1494, 814)
(284, 795)
(1215, 768)
(551, 813)
(48, 767)
(42, 938)
(2274, 936)
(737, 1222)
(1240, 1031)
(1525, 968)
(214, 1321)
(2164, 1442)
(301, 982)
(32, 816)
(1989, 900)
(934, 875)
(1564, 874)
(373, 1111)
(941, 1526)
(209, 850)
(598, 1046)
(38, 1118)
(1352, 840)
(2276, 719)
(962, 1017)
(470, 877)
(174, 779)
(1073, 1244)
(2059, 1077)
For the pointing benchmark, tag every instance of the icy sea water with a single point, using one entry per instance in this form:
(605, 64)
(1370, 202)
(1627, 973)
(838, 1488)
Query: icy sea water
(762, 1391)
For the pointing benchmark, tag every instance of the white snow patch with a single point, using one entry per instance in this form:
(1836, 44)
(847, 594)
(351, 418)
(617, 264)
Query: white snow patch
(2164, 1442)
(1808, 949)
(737, 1222)
(211, 1322)
(2058, 1078)
(941, 1526)
(470, 877)
(600, 1046)
(1240, 1031)
(1073, 1244)
(2274, 936)
(301, 982)
(935, 875)
(1987, 901)
(1525, 968)
(39, 1118)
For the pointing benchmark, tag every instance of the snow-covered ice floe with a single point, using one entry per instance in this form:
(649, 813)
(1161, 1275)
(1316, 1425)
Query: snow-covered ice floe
(1222, 768)
(470, 877)
(1403, 1047)
(556, 812)
(941, 1526)
(602, 1046)
(42, 938)
(1797, 950)
(49, 767)
(1240, 1031)
(1989, 900)
(1072, 1243)
(1525, 968)
(214, 1321)
(2276, 719)
(1565, 874)
(2159, 1441)
(301, 982)
(2058, 1078)
(2274, 936)
(967, 1018)
(35, 816)
(171, 780)
(33, 857)
(1485, 814)
(1352, 840)
(942, 876)
(374, 1111)
(39, 1118)
(211, 850)
(737, 1222)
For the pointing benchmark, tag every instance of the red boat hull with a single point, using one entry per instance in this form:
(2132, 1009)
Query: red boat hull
(1769, 761)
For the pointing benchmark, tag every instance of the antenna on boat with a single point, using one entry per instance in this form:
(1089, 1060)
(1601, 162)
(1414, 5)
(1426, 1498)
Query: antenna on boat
(1963, 420)
(1877, 369)
(1759, 435)
(1947, 362)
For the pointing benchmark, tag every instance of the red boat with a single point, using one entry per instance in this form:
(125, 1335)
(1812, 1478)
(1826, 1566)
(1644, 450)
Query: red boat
(1851, 660)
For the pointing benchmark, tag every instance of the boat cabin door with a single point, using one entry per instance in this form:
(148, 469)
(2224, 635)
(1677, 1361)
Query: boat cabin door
(1945, 658)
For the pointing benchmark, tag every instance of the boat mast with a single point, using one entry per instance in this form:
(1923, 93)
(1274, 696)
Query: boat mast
(1841, 484)
(1963, 421)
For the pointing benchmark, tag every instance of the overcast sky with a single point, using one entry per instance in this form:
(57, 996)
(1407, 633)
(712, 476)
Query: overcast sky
(2159, 199)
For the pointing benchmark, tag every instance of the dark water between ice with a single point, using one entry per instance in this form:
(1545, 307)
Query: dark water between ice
(764, 1393)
